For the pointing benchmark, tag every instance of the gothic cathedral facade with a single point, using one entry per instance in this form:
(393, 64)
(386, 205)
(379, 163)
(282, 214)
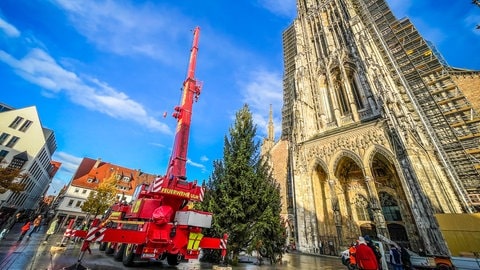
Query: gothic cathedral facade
(380, 136)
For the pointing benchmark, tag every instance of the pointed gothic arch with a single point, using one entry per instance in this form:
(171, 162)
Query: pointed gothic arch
(379, 149)
(337, 158)
(319, 164)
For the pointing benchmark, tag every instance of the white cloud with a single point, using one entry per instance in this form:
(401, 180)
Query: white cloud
(159, 145)
(286, 8)
(40, 68)
(9, 29)
(204, 158)
(55, 186)
(195, 164)
(263, 89)
(127, 29)
(69, 162)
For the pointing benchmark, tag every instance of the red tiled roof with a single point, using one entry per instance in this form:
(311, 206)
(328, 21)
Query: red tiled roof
(55, 167)
(99, 171)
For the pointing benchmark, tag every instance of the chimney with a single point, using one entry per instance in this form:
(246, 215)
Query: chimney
(99, 160)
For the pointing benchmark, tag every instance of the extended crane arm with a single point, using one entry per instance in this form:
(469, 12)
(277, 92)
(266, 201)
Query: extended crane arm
(174, 183)
(183, 114)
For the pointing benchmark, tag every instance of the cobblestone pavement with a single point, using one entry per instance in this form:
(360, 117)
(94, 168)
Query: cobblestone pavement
(32, 254)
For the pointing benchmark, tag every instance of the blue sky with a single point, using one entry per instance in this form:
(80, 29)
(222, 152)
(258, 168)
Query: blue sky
(103, 73)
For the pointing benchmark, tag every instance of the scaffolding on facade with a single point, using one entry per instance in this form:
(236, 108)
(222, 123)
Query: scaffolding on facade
(451, 121)
(289, 53)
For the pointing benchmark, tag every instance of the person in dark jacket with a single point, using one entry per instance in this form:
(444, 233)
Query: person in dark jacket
(395, 258)
(375, 250)
(407, 265)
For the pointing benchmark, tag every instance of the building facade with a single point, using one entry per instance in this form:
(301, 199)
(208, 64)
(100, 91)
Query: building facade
(90, 173)
(277, 156)
(26, 145)
(381, 136)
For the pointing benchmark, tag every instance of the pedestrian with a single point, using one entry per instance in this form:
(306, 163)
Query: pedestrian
(345, 256)
(365, 257)
(51, 229)
(395, 258)
(24, 230)
(8, 226)
(90, 251)
(331, 248)
(78, 227)
(18, 217)
(11, 222)
(352, 253)
(375, 249)
(3, 233)
(36, 225)
(407, 265)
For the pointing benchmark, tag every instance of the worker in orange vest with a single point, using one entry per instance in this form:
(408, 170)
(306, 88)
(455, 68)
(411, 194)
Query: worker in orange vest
(352, 250)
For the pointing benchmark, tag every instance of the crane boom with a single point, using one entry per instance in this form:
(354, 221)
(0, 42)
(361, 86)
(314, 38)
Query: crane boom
(183, 113)
(173, 183)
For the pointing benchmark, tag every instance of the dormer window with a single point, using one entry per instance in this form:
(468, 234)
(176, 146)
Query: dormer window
(91, 180)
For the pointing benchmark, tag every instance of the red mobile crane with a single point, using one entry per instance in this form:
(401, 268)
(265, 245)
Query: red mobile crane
(158, 224)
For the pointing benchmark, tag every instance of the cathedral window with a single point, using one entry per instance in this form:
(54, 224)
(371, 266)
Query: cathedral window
(363, 210)
(343, 100)
(356, 94)
(390, 208)
(344, 34)
(323, 45)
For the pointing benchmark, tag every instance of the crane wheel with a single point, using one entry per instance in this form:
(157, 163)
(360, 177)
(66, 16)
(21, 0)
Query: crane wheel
(102, 246)
(172, 259)
(118, 254)
(110, 248)
(129, 255)
(443, 267)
